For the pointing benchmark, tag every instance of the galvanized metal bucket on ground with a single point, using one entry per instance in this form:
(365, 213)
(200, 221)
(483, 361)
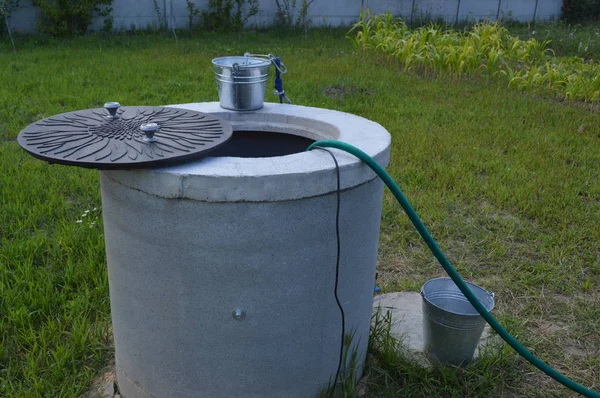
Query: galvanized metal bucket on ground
(452, 327)
(242, 81)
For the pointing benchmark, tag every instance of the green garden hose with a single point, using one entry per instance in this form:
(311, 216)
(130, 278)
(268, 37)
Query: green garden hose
(437, 252)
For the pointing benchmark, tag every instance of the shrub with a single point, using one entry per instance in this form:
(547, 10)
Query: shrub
(7, 7)
(287, 9)
(581, 10)
(193, 12)
(66, 17)
(228, 15)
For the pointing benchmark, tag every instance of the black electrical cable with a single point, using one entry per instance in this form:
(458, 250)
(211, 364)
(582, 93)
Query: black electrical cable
(337, 267)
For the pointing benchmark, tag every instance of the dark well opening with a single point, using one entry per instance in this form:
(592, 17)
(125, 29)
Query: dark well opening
(261, 144)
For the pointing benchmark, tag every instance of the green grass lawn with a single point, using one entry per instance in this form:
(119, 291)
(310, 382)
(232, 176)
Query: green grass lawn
(508, 183)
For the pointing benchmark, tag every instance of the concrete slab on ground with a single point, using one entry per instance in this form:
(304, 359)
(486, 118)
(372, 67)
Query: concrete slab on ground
(407, 321)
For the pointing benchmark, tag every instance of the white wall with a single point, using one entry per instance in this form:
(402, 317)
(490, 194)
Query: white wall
(321, 12)
(141, 13)
(471, 10)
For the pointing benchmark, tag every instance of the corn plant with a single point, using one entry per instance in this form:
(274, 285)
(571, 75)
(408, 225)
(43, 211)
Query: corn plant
(487, 49)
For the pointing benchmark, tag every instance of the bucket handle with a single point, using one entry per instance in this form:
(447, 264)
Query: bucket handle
(282, 69)
(235, 69)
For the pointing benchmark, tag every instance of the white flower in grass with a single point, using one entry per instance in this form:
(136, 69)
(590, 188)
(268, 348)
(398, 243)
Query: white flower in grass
(79, 221)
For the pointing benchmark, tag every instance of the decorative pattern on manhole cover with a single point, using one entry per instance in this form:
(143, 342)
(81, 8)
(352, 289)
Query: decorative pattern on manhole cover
(125, 138)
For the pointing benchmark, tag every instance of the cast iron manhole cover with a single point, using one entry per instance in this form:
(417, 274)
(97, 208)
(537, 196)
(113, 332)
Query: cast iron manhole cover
(125, 138)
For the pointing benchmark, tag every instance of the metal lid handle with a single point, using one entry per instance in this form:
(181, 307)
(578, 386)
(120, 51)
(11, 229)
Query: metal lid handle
(112, 108)
(149, 130)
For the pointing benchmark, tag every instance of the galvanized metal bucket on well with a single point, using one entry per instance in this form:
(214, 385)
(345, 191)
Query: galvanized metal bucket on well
(242, 81)
(452, 327)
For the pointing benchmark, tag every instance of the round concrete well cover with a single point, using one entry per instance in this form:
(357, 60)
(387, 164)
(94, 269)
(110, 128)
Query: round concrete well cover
(129, 137)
